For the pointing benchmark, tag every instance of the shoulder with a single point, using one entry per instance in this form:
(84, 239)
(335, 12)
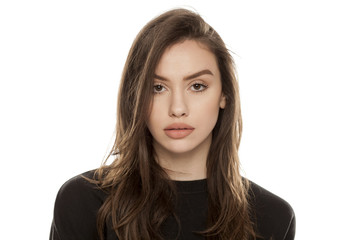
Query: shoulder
(79, 191)
(274, 216)
(76, 207)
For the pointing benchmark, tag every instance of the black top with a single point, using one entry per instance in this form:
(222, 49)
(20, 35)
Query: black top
(78, 201)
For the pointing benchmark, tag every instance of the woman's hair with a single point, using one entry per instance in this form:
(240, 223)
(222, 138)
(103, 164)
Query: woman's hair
(140, 193)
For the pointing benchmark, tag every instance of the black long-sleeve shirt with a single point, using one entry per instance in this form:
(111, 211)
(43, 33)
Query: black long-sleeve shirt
(78, 202)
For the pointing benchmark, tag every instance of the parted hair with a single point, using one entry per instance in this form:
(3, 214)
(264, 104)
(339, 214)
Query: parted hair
(140, 194)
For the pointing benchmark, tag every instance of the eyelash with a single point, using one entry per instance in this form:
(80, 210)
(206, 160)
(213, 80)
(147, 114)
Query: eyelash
(204, 86)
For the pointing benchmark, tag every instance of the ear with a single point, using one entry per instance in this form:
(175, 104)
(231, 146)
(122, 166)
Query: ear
(222, 101)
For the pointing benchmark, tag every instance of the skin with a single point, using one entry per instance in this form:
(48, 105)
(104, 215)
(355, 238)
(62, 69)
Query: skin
(195, 101)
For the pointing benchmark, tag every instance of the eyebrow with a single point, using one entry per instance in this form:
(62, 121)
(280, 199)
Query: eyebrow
(192, 76)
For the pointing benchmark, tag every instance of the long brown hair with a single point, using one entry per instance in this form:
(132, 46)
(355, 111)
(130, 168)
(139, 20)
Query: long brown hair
(140, 193)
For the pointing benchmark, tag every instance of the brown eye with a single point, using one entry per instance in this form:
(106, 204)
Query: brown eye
(158, 88)
(198, 87)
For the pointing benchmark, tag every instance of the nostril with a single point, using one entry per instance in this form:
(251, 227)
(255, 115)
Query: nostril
(178, 115)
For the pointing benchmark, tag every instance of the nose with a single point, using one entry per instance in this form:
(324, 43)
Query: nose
(178, 107)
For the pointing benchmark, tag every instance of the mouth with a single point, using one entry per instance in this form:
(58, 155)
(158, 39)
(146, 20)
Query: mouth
(178, 131)
(179, 126)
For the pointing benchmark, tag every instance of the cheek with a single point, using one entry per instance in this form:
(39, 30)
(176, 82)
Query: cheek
(208, 111)
(155, 115)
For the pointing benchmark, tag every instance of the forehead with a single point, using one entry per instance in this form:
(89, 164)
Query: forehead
(186, 57)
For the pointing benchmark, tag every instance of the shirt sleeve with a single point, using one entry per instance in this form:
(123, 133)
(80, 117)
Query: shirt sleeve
(290, 235)
(275, 218)
(75, 211)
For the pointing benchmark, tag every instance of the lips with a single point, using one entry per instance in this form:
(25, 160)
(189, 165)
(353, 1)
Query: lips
(178, 130)
(178, 126)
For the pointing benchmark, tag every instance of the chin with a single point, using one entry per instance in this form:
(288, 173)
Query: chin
(182, 147)
(179, 149)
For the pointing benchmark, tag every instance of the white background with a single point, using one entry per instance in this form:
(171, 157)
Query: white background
(298, 66)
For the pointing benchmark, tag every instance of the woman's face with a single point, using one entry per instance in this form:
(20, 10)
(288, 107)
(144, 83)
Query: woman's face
(187, 97)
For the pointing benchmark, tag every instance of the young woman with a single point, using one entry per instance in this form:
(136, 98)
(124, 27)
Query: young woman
(176, 169)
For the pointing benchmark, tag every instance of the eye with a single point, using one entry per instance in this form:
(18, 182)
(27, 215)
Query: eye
(198, 87)
(158, 88)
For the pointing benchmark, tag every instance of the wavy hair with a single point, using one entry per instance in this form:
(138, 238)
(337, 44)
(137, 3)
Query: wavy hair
(140, 193)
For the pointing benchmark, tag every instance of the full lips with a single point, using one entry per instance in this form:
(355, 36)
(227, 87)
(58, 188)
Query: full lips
(178, 133)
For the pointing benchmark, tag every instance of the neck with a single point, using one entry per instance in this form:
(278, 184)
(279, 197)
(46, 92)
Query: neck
(184, 166)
